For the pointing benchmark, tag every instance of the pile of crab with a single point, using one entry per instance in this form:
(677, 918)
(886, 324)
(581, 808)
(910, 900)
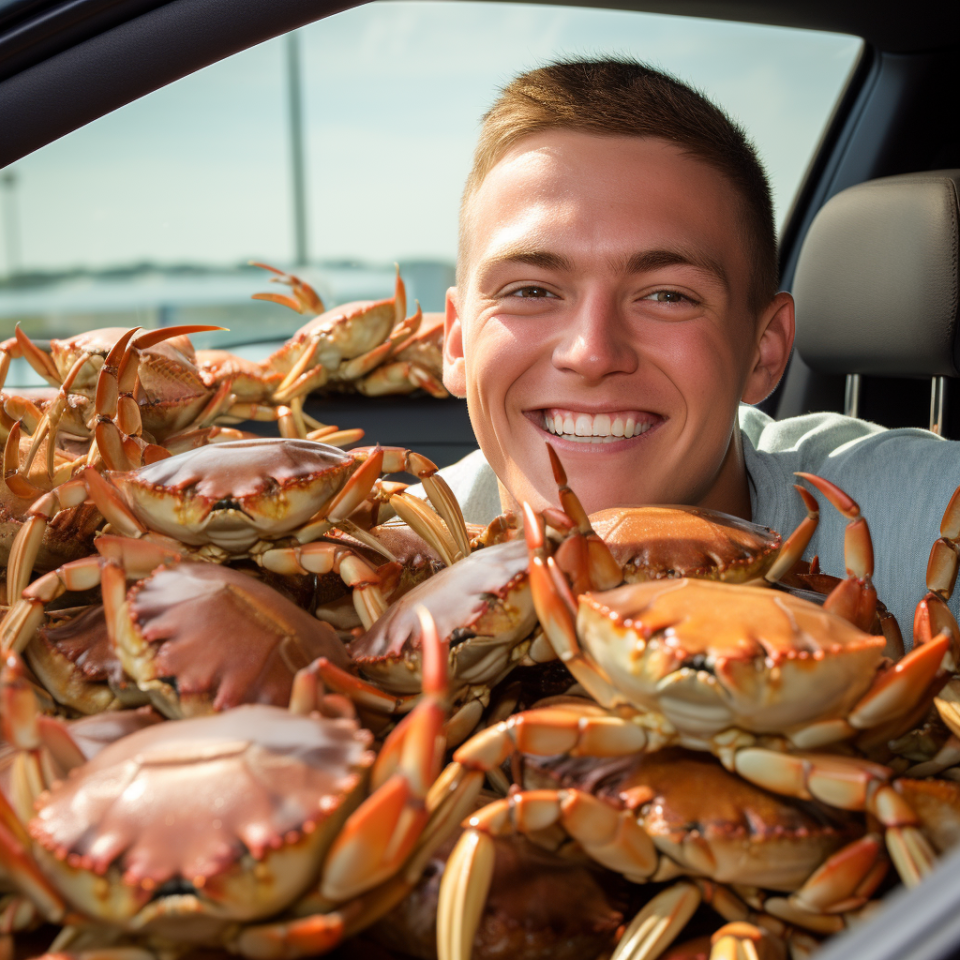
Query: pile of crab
(256, 699)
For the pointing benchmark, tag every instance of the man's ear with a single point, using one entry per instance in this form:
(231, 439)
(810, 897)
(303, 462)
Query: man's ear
(454, 365)
(775, 330)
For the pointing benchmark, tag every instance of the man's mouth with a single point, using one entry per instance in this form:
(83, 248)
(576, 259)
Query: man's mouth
(583, 427)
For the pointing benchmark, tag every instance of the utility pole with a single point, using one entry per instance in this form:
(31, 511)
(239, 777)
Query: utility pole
(11, 227)
(297, 151)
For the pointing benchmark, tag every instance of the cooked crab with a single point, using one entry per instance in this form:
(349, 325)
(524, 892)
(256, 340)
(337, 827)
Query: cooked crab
(416, 365)
(657, 817)
(194, 637)
(746, 673)
(482, 608)
(667, 542)
(336, 346)
(167, 388)
(69, 536)
(239, 498)
(240, 830)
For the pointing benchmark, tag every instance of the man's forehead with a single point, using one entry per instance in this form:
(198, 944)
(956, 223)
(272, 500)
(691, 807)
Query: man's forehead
(546, 181)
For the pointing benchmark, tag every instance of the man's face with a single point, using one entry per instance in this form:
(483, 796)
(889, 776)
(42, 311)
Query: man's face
(603, 307)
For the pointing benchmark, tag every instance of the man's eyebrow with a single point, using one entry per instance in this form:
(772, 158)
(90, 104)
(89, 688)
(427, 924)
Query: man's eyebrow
(654, 259)
(530, 257)
(636, 263)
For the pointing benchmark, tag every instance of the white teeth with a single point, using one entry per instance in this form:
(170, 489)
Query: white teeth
(600, 428)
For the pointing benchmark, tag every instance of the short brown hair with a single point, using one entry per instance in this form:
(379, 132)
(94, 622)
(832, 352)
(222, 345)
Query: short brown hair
(623, 97)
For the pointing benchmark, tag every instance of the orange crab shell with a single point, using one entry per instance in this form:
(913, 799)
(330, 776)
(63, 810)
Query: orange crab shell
(711, 656)
(481, 605)
(657, 542)
(200, 637)
(238, 809)
(250, 381)
(347, 331)
(705, 818)
(233, 493)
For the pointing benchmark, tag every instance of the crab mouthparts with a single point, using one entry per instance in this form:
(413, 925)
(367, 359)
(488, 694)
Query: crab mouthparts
(228, 503)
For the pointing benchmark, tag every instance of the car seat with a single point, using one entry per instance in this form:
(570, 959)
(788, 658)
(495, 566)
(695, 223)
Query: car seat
(877, 288)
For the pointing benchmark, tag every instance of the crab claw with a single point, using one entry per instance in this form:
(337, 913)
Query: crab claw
(601, 571)
(116, 387)
(304, 300)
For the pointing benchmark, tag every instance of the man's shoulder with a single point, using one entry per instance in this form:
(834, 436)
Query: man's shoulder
(808, 442)
(876, 466)
(475, 486)
(826, 431)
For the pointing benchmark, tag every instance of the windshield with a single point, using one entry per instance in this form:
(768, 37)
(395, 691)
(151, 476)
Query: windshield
(337, 151)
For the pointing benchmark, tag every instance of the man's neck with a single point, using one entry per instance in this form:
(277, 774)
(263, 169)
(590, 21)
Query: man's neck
(730, 492)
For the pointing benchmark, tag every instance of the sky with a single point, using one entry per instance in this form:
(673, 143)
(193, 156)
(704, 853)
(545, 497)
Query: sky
(393, 92)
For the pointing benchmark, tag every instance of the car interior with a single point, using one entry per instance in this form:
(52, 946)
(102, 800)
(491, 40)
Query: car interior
(870, 245)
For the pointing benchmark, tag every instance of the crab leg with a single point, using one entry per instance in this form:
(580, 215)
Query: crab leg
(363, 364)
(365, 695)
(25, 616)
(12, 471)
(798, 541)
(397, 377)
(40, 361)
(427, 524)
(48, 425)
(397, 459)
(322, 558)
(556, 609)
(611, 837)
(659, 923)
(854, 599)
(382, 833)
(933, 616)
(304, 300)
(20, 408)
(745, 941)
(845, 882)
(118, 411)
(850, 784)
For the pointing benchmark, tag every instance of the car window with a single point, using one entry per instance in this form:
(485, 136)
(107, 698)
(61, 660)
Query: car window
(340, 150)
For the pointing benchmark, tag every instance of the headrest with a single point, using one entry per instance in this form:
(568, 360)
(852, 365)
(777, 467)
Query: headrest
(877, 283)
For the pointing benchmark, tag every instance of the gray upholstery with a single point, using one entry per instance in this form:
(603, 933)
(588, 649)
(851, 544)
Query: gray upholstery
(877, 280)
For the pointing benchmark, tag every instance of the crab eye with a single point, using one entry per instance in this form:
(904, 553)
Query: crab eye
(460, 635)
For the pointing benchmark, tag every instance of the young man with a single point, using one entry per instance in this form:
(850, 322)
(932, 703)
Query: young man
(617, 296)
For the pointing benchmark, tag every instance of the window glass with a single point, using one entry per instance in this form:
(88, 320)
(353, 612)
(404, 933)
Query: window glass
(151, 214)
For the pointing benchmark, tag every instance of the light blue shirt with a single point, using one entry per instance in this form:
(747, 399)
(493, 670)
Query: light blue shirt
(902, 479)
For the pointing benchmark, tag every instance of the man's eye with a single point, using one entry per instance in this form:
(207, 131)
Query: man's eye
(667, 296)
(530, 293)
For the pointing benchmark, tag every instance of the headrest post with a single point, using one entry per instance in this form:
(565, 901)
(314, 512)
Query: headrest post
(851, 396)
(938, 404)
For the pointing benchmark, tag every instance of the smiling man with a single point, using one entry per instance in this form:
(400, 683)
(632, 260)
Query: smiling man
(616, 291)
(617, 296)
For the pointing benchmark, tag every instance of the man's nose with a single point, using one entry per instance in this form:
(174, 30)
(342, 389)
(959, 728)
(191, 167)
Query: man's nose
(596, 342)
